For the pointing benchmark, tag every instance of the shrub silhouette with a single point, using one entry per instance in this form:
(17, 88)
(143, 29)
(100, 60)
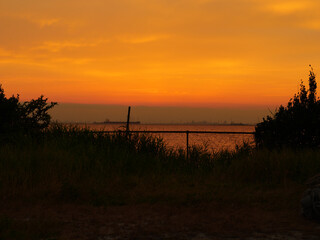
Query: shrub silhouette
(24, 117)
(297, 124)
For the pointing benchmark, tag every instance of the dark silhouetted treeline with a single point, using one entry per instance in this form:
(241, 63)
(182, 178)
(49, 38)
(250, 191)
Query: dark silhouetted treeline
(297, 125)
(27, 117)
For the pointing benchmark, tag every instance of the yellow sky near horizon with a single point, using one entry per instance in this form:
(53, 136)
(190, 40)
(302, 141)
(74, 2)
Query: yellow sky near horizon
(158, 52)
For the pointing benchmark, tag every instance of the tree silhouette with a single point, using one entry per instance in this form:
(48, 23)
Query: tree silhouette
(297, 124)
(24, 117)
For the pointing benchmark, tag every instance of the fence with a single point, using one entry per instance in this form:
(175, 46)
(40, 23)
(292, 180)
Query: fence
(182, 132)
(127, 131)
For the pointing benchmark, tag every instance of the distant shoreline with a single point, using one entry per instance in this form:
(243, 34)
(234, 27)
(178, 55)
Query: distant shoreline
(182, 124)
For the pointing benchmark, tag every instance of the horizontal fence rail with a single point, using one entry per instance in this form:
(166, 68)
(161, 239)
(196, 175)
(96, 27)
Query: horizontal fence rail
(185, 132)
(190, 132)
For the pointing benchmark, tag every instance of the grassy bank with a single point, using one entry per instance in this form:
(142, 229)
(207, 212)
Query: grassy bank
(70, 164)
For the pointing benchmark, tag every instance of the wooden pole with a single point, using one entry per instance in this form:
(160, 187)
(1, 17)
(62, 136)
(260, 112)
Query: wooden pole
(128, 119)
(187, 132)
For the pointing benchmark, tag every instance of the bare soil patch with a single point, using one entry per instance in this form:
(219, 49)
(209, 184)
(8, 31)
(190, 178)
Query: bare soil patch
(163, 221)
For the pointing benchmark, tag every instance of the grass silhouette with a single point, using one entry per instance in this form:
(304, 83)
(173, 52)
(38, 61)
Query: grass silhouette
(72, 164)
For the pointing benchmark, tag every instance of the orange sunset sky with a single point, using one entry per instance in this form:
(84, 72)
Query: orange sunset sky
(199, 53)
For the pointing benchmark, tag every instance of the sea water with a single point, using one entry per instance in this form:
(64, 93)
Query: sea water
(178, 140)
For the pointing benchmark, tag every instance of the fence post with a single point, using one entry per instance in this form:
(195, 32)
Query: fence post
(187, 132)
(128, 120)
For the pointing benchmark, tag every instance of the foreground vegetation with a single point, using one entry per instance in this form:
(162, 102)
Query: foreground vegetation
(55, 164)
(70, 164)
(66, 163)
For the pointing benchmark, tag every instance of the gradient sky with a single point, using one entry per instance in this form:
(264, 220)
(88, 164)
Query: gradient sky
(199, 53)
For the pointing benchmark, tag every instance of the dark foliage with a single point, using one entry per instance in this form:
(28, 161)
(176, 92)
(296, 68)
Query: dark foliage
(296, 125)
(27, 117)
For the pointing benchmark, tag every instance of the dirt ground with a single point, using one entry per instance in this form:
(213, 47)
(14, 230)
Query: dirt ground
(163, 221)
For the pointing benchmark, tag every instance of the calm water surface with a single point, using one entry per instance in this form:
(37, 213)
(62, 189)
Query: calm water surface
(176, 140)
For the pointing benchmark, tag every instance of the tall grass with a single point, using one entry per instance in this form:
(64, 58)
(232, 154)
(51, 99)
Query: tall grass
(69, 163)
